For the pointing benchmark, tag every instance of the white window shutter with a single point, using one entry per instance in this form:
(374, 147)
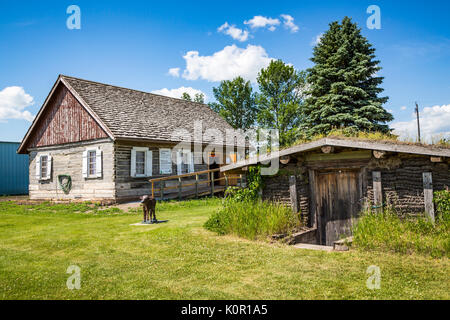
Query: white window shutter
(49, 167)
(84, 164)
(133, 163)
(149, 163)
(179, 160)
(98, 163)
(38, 167)
(165, 161)
(191, 162)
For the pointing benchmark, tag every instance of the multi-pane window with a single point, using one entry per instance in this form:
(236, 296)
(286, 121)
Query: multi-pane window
(92, 162)
(185, 162)
(140, 162)
(44, 166)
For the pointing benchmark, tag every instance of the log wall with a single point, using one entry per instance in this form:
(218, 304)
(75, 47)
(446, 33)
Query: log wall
(133, 187)
(401, 181)
(68, 160)
(276, 188)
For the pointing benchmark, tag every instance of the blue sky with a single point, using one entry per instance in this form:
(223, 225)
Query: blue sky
(135, 43)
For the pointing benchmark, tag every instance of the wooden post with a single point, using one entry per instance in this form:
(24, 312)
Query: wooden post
(179, 188)
(226, 181)
(212, 184)
(153, 190)
(293, 192)
(196, 185)
(428, 194)
(377, 191)
(161, 186)
(240, 180)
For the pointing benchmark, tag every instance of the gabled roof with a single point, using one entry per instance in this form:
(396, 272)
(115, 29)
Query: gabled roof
(345, 143)
(131, 114)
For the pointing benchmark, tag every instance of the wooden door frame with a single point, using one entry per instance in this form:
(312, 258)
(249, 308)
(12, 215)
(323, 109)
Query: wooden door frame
(314, 170)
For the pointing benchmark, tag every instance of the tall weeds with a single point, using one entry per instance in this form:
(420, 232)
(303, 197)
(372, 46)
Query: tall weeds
(252, 219)
(388, 232)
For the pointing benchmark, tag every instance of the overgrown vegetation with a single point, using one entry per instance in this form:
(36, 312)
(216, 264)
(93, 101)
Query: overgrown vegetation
(352, 133)
(388, 232)
(252, 219)
(245, 215)
(442, 202)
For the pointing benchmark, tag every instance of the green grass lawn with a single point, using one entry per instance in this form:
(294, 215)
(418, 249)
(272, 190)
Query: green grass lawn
(182, 260)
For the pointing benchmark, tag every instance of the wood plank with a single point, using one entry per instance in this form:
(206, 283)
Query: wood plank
(428, 194)
(347, 155)
(293, 193)
(377, 191)
(64, 121)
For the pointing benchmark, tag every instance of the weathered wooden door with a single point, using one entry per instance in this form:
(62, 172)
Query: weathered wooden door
(338, 202)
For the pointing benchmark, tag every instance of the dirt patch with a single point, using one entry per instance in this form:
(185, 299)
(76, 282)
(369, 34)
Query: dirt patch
(14, 198)
(125, 207)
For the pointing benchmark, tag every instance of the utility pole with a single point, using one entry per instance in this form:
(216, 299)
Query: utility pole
(418, 123)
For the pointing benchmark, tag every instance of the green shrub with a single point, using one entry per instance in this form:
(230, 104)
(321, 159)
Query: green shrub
(388, 232)
(442, 202)
(252, 219)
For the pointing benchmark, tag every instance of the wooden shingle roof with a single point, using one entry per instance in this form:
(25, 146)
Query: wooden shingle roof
(135, 114)
(131, 114)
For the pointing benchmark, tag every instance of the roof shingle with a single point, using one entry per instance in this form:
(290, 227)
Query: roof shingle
(135, 114)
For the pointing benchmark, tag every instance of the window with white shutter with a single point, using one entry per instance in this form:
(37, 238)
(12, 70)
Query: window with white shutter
(185, 161)
(43, 167)
(92, 163)
(141, 162)
(165, 161)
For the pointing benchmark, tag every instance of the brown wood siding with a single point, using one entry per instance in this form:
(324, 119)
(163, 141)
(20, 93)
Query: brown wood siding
(65, 121)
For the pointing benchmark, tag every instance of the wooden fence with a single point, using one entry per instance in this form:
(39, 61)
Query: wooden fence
(197, 188)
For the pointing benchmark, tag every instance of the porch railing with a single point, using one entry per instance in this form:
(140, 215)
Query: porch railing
(200, 187)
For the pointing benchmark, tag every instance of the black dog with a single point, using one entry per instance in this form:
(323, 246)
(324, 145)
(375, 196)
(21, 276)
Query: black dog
(149, 205)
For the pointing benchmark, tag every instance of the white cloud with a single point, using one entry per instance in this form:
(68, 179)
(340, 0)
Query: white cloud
(174, 72)
(177, 93)
(403, 107)
(226, 64)
(434, 122)
(289, 23)
(13, 101)
(262, 22)
(316, 40)
(232, 31)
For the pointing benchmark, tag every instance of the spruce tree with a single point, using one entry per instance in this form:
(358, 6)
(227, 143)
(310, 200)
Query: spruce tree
(343, 84)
